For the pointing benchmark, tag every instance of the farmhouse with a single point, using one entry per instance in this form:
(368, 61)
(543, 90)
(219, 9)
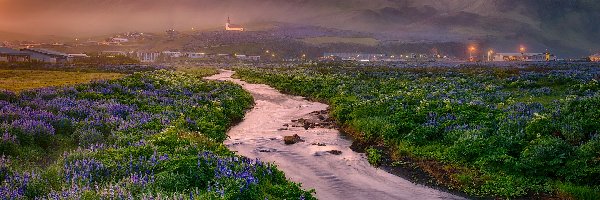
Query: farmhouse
(11, 55)
(44, 55)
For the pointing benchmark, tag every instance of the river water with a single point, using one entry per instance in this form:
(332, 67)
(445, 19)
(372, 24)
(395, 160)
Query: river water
(346, 176)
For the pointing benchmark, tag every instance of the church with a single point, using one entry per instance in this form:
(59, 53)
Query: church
(232, 27)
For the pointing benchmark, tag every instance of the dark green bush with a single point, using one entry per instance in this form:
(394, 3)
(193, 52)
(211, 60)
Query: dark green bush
(545, 156)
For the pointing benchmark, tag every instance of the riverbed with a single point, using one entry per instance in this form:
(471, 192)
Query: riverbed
(314, 162)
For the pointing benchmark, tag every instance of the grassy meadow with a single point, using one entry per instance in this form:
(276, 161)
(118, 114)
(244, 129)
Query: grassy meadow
(492, 132)
(147, 135)
(19, 80)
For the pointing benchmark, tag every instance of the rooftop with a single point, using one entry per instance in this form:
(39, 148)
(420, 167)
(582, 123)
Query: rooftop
(5, 51)
(235, 26)
(46, 52)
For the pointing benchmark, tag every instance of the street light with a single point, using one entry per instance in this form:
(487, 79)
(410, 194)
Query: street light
(522, 49)
(471, 51)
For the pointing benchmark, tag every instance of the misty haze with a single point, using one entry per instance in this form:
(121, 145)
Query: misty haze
(299, 99)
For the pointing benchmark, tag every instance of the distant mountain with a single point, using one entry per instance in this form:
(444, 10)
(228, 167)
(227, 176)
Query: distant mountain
(566, 27)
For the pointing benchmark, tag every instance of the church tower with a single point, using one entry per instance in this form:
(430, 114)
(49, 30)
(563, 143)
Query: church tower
(228, 23)
(232, 27)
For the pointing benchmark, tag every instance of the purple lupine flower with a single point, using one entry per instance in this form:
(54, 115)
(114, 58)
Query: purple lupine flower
(33, 127)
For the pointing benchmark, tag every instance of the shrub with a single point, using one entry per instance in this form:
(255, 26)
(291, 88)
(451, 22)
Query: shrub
(545, 156)
(374, 156)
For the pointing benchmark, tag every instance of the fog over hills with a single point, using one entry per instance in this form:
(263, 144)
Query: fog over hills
(567, 27)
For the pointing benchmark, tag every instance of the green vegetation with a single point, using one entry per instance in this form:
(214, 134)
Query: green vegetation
(151, 135)
(374, 156)
(349, 40)
(490, 132)
(19, 80)
(198, 71)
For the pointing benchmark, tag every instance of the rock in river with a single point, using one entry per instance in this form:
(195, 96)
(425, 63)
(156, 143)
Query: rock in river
(292, 139)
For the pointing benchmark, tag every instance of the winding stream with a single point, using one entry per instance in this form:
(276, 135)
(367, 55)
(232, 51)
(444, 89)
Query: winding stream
(346, 176)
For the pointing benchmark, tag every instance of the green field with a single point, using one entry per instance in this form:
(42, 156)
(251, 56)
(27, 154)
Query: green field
(492, 132)
(19, 80)
(349, 40)
(198, 71)
(148, 135)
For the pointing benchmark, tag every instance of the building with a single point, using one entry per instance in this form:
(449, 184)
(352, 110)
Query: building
(233, 27)
(11, 55)
(595, 57)
(119, 40)
(172, 54)
(254, 58)
(527, 57)
(196, 55)
(148, 57)
(354, 57)
(76, 56)
(48, 56)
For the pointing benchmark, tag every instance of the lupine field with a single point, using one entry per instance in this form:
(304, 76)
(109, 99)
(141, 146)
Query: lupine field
(149, 135)
(524, 131)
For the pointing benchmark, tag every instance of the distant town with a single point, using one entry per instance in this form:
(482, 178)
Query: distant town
(237, 43)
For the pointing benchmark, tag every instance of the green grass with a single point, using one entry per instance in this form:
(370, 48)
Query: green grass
(578, 192)
(198, 71)
(489, 132)
(174, 149)
(19, 80)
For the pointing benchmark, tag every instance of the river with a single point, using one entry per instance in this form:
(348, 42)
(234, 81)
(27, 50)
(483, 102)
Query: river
(346, 176)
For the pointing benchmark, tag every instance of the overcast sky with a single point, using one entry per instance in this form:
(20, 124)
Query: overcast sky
(546, 23)
(71, 17)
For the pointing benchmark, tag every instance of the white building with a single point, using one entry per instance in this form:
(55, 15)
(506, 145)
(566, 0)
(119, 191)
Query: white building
(147, 57)
(233, 27)
(172, 54)
(119, 40)
(196, 55)
(75, 56)
(527, 57)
